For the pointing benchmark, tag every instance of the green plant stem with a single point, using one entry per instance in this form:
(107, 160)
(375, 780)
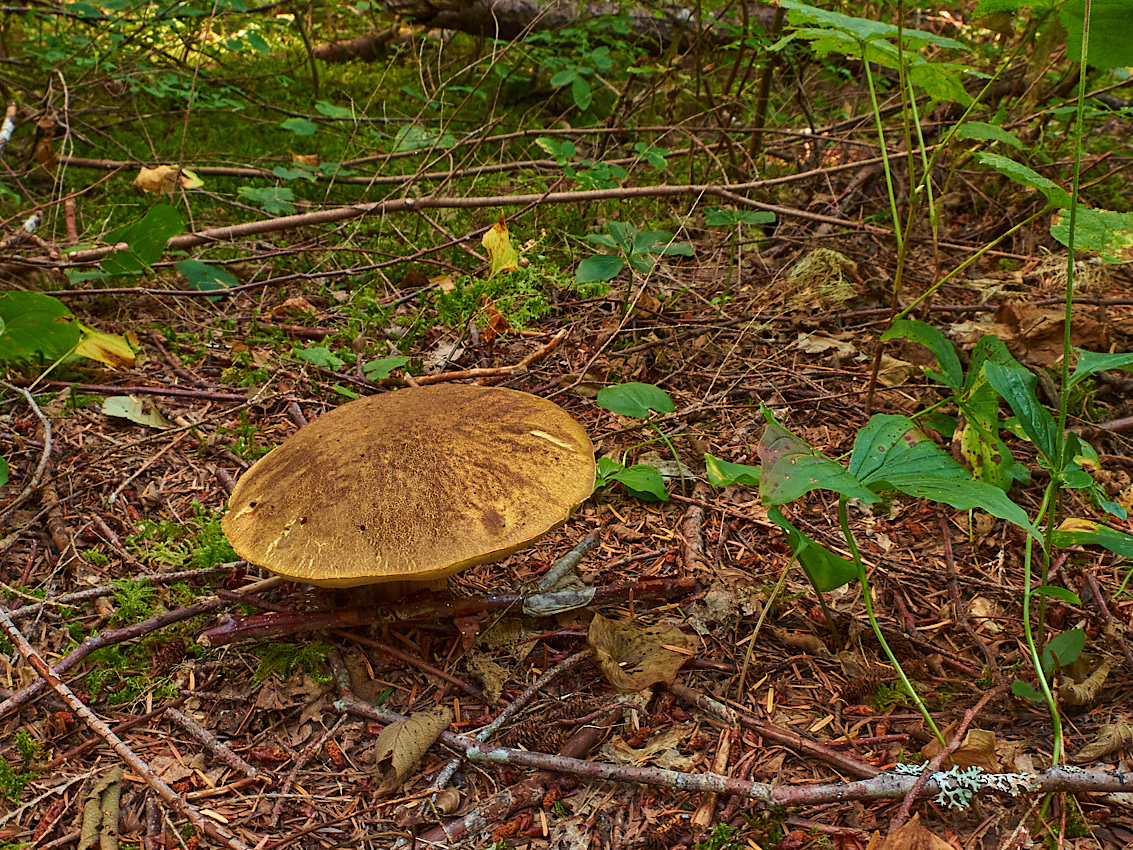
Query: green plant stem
(884, 150)
(844, 522)
(1028, 633)
(673, 452)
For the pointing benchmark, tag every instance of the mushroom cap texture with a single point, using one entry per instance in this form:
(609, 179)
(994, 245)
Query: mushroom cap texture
(412, 485)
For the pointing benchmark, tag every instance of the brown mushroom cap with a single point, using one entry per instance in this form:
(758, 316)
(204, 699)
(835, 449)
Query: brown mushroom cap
(413, 485)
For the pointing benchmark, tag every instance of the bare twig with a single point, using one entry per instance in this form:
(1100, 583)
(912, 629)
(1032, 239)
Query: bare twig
(186, 809)
(44, 457)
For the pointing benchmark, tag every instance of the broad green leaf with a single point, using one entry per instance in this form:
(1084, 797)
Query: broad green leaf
(203, 277)
(623, 234)
(276, 200)
(33, 324)
(605, 471)
(1063, 649)
(1083, 532)
(1106, 233)
(3, 472)
(934, 340)
(1025, 176)
(942, 81)
(1092, 362)
(642, 482)
(331, 111)
(259, 44)
(635, 399)
(826, 569)
(299, 126)
(984, 132)
(563, 78)
(1111, 32)
(791, 469)
(376, 370)
(1016, 386)
(863, 28)
(989, 348)
(293, 174)
(598, 267)
(581, 92)
(722, 473)
(717, 217)
(890, 453)
(318, 355)
(147, 239)
(1024, 691)
(1052, 592)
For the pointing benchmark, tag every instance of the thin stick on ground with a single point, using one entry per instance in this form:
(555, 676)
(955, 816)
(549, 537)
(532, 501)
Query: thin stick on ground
(183, 807)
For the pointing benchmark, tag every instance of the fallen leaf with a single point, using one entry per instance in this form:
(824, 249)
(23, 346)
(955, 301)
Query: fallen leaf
(976, 750)
(633, 656)
(1109, 739)
(912, 836)
(400, 746)
(305, 158)
(818, 343)
(140, 411)
(502, 254)
(109, 349)
(165, 179)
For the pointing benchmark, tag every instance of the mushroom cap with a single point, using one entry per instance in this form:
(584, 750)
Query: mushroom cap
(413, 485)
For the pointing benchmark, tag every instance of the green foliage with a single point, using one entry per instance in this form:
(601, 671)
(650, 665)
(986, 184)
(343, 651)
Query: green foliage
(246, 433)
(133, 601)
(195, 544)
(33, 325)
(719, 837)
(122, 675)
(13, 782)
(640, 250)
(639, 401)
(285, 658)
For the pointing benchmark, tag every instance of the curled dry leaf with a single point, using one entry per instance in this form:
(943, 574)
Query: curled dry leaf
(1110, 739)
(633, 656)
(911, 836)
(401, 745)
(977, 750)
(109, 349)
(1086, 691)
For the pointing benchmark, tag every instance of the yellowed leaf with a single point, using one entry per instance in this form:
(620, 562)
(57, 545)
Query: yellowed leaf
(500, 251)
(305, 158)
(161, 180)
(112, 350)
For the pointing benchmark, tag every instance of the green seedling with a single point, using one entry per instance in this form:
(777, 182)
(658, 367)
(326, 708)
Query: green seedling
(737, 220)
(639, 250)
(639, 401)
(588, 175)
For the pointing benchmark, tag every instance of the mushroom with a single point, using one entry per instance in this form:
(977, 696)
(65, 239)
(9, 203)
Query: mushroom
(411, 486)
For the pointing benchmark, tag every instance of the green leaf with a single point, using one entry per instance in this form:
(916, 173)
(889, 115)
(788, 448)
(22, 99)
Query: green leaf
(791, 469)
(1016, 385)
(203, 277)
(1063, 649)
(1083, 532)
(3, 472)
(318, 355)
(1052, 592)
(33, 324)
(147, 239)
(826, 570)
(717, 217)
(276, 200)
(1106, 233)
(606, 469)
(935, 341)
(331, 111)
(722, 473)
(1024, 691)
(376, 370)
(580, 90)
(345, 391)
(635, 399)
(598, 267)
(299, 126)
(1111, 33)
(623, 234)
(1025, 176)
(890, 453)
(260, 45)
(863, 28)
(1092, 362)
(564, 78)
(988, 133)
(293, 174)
(642, 482)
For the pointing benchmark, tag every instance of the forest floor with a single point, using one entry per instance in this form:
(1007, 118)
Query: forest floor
(115, 565)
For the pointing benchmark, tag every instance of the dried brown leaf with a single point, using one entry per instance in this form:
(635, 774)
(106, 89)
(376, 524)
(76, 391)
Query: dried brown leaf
(401, 745)
(633, 656)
